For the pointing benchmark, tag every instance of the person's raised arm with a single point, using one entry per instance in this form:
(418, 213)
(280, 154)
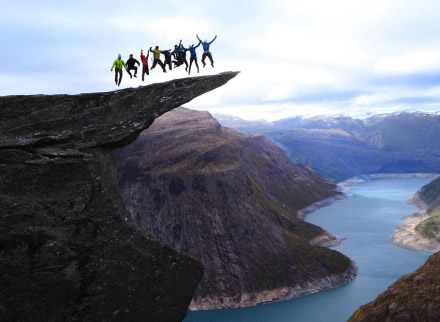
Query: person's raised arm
(213, 39)
(197, 45)
(198, 38)
(151, 50)
(180, 42)
(142, 55)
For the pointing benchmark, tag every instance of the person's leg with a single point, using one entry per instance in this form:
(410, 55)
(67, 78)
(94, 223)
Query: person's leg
(135, 71)
(116, 76)
(170, 65)
(197, 65)
(154, 64)
(211, 59)
(203, 59)
(128, 71)
(143, 72)
(148, 71)
(186, 63)
(190, 64)
(161, 65)
(120, 77)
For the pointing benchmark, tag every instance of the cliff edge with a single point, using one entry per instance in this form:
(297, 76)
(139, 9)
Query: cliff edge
(69, 250)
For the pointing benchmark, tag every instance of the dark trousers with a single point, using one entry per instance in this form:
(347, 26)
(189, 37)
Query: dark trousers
(132, 68)
(118, 71)
(191, 60)
(168, 62)
(207, 54)
(145, 70)
(180, 60)
(158, 61)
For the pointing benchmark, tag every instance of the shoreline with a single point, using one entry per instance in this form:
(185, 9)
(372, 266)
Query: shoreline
(281, 294)
(406, 236)
(323, 240)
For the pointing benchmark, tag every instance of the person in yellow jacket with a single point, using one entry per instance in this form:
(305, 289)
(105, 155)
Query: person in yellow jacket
(118, 63)
(156, 51)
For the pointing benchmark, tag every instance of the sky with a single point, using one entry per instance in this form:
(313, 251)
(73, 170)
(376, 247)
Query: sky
(311, 57)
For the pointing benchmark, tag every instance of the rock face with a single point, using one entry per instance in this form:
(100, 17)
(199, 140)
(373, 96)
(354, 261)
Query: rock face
(414, 297)
(229, 200)
(69, 251)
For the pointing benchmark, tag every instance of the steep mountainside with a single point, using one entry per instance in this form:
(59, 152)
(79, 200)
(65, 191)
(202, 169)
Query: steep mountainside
(229, 200)
(414, 297)
(342, 147)
(430, 194)
(69, 251)
(403, 131)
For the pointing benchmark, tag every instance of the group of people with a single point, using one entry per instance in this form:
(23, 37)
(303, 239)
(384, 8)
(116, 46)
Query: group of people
(176, 57)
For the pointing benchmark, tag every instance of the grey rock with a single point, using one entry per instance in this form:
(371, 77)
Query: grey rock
(69, 250)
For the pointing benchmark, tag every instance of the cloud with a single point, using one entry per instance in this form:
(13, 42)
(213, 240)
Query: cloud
(296, 57)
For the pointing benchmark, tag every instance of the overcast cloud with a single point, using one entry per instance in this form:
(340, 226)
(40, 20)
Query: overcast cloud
(295, 57)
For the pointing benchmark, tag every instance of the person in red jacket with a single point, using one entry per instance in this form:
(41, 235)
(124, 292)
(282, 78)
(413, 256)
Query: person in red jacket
(144, 61)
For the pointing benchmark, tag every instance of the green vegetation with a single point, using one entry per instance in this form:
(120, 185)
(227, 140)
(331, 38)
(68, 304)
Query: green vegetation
(430, 228)
(430, 194)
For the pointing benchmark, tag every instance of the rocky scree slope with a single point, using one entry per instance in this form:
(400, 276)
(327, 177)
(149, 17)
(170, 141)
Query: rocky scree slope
(229, 200)
(414, 297)
(69, 251)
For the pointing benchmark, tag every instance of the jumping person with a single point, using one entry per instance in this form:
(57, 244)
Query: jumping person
(206, 52)
(168, 55)
(144, 61)
(193, 58)
(183, 51)
(131, 62)
(157, 60)
(118, 69)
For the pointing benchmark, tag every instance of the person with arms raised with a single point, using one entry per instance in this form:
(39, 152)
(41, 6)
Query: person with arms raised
(192, 50)
(206, 52)
(144, 61)
(157, 60)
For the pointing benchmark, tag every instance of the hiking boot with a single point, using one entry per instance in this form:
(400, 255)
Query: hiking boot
(212, 65)
(131, 76)
(135, 76)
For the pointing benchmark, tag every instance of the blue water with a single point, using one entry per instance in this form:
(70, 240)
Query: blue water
(367, 221)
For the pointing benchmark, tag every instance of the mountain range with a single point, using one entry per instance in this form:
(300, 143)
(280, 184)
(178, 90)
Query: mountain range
(340, 147)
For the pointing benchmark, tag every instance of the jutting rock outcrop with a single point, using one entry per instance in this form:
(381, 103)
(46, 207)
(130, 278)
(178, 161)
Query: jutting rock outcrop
(230, 200)
(69, 251)
(414, 297)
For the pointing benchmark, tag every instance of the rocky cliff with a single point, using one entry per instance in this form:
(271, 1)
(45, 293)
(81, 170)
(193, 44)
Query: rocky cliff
(69, 251)
(229, 200)
(414, 297)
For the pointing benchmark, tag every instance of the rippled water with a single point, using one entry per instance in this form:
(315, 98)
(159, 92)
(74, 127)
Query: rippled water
(367, 221)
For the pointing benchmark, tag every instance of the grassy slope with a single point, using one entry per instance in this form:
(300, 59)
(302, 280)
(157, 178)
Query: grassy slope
(430, 194)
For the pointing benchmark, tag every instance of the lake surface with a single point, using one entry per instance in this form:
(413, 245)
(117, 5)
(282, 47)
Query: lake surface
(366, 221)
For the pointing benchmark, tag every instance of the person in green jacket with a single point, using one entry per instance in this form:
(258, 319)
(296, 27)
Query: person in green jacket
(118, 63)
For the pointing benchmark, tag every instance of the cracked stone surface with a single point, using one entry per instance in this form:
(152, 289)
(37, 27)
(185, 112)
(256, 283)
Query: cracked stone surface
(69, 251)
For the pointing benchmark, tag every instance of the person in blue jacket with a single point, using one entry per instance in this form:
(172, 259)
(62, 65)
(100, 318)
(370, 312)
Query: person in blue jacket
(192, 50)
(206, 52)
(180, 55)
